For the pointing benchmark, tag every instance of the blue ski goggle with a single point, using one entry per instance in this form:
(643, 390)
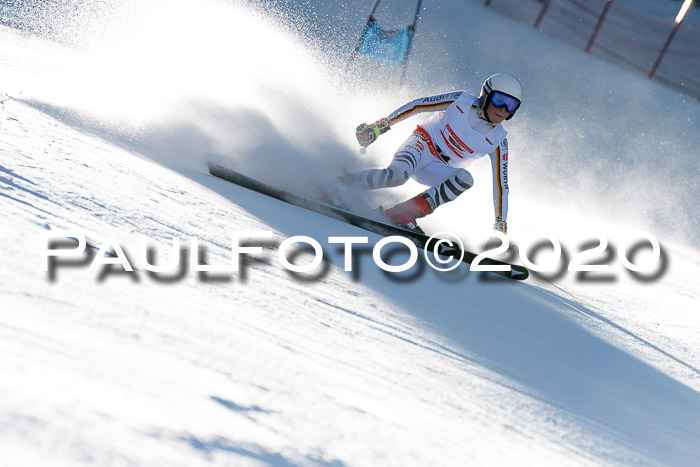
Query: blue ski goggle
(498, 99)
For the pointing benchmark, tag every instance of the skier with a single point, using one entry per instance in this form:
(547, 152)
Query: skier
(463, 129)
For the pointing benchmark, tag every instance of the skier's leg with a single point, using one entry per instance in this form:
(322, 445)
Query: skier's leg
(449, 183)
(446, 183)
(398, 172)
(394, 175)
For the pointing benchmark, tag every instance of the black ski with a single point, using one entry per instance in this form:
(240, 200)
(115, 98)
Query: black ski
(422, 241)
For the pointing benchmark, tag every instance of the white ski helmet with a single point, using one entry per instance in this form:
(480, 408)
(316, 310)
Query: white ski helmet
(507, 91)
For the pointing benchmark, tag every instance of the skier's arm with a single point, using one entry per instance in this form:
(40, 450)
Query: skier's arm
(368, 133)
(423, 104)
(499, 165)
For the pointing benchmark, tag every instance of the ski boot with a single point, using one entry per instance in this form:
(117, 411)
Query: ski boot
(404, 214)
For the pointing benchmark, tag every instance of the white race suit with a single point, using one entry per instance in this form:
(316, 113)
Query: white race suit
(438, 151)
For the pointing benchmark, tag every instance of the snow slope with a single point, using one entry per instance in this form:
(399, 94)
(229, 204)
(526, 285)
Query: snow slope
(262, 367)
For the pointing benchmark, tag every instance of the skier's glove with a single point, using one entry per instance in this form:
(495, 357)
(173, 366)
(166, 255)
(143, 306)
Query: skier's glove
(500, 225)
(368, 134)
